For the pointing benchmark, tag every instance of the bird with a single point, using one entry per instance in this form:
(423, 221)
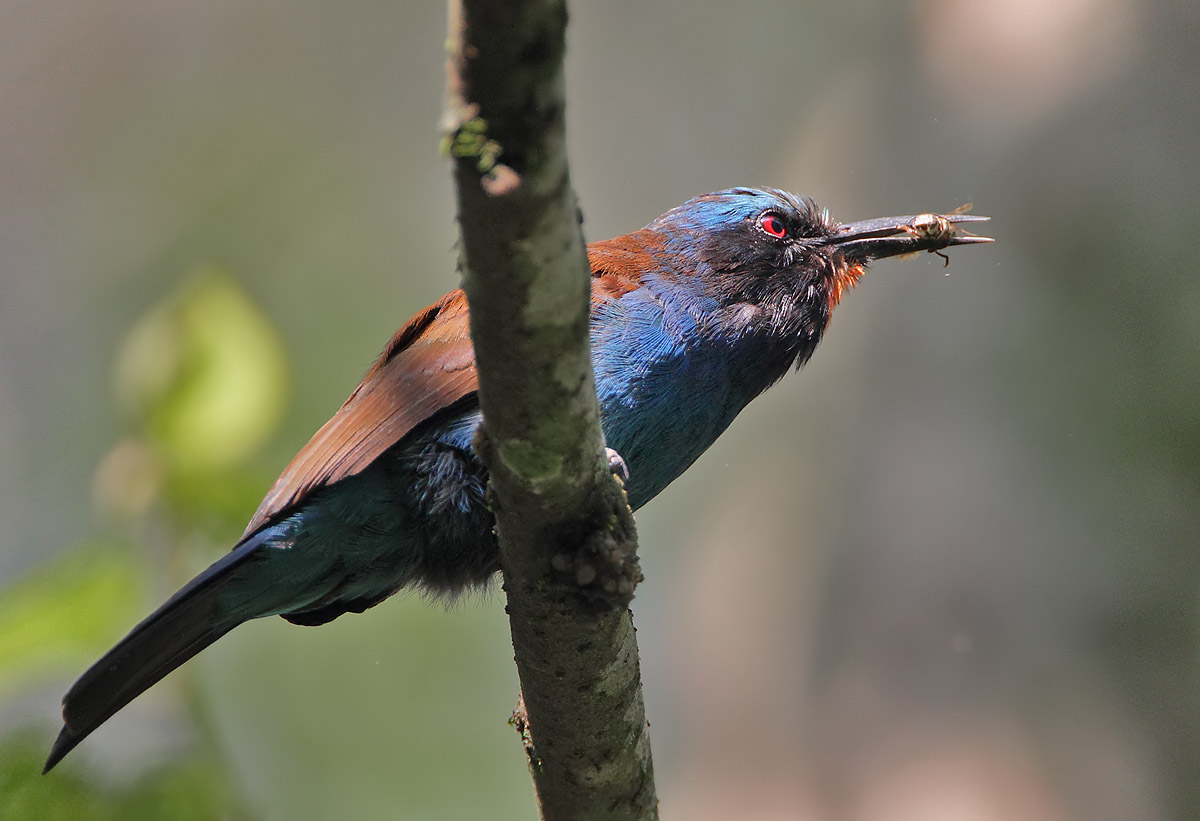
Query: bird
(692, 317)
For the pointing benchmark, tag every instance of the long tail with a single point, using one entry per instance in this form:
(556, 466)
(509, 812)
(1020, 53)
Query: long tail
(208, 607)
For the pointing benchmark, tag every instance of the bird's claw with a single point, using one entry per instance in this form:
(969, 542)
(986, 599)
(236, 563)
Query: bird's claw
(617, 466)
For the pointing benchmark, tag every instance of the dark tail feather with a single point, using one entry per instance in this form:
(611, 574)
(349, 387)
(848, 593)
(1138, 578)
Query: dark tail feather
(188, 622)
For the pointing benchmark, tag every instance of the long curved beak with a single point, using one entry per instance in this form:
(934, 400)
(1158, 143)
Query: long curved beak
(890, 236)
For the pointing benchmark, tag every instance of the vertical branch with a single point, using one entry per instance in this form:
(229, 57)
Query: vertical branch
(567, 541)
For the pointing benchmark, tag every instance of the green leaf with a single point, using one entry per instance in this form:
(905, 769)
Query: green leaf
(205, 372)
(63, 615)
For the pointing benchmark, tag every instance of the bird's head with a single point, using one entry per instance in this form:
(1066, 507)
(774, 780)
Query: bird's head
(741, 236)
(777, 261)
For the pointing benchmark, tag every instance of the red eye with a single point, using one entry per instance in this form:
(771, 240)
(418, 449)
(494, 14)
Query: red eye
(772, 225)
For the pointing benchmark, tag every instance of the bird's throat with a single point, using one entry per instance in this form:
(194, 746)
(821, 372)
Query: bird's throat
(845, 277)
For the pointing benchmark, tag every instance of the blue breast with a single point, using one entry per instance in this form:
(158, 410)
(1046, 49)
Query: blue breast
(666, 392)
(667, 389)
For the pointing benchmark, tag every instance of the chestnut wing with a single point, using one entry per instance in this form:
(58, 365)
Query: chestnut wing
(427, 367)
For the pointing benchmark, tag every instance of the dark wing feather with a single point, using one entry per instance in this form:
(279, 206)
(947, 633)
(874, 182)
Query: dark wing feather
(428, 366)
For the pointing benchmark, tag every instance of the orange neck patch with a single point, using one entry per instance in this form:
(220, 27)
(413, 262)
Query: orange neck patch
(845, 278)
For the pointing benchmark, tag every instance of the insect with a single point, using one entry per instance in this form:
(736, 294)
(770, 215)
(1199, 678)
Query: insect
(936, 227)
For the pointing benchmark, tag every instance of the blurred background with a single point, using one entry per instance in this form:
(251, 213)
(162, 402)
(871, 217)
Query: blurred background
(948, 572)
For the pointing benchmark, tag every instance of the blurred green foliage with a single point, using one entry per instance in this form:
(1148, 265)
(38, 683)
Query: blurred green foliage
(58, 618)
(202, 376)
(189, 790)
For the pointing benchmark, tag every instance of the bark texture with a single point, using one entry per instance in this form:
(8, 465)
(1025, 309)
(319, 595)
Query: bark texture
(567, 540)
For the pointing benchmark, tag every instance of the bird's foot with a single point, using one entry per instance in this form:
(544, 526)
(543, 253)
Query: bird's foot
(617, 466)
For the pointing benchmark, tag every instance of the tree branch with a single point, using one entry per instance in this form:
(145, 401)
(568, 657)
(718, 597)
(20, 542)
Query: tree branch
(567, 540)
